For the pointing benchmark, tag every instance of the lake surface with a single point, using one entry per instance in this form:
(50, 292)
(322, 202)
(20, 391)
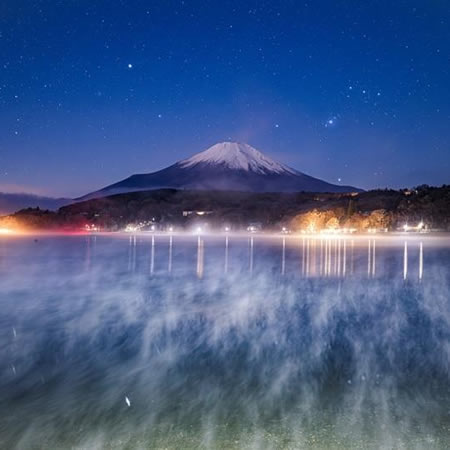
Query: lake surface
(116, 341)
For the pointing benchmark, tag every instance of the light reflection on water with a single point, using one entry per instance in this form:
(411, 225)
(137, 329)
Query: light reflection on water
(224, 342)
(326, 257)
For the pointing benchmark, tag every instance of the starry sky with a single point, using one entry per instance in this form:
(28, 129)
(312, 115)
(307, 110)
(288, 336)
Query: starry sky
(354, 92)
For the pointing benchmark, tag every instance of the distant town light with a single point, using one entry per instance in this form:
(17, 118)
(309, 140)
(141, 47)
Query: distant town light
(91, 227)
(420, 227)
(131, 228)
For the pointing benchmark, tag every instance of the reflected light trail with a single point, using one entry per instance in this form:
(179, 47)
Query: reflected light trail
(169, 267)
(405, 261)
(152, 256)
(303, 256)
(352, 261)
(329, 256)
(420, 260)
(335, 256)
(132, 254)
(373, 257)
(200, 255)
(344, 259)
(322, 257)
(338, 257)
(226, 255)
(308, 246)
(250, 264)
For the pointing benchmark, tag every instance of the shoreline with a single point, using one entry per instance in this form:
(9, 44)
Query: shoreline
(433, 235)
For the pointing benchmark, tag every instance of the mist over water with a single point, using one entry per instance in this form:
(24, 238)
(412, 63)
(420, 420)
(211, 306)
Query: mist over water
(215, 342)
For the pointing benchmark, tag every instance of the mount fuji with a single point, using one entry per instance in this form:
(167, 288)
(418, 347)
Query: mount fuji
(226, 166)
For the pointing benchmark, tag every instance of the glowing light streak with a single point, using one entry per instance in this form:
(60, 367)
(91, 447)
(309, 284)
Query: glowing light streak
(330, 255)
(226, 256)
(200, 256)
(250, 264)
(152, 256)
(307, 256)
(420, 260)
(339, 259)
(303, 256)
(344, 259)
(405, 261)
(373, 257)
(321, 258)
(169, 267)
(335, 257)
(352, 262)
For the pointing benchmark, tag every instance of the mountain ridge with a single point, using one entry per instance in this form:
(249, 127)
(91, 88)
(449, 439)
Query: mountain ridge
(224, 166)
(11, 202)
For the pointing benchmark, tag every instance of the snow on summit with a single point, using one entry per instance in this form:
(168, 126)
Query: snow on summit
(239, 156)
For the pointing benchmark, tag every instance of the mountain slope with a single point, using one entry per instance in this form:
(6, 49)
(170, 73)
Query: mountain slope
(224, 166)
(10, 203)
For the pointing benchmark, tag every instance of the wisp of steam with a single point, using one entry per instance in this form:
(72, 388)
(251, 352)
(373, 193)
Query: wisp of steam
(221, 342)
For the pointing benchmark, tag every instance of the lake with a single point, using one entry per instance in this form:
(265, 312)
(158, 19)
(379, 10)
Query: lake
(142, 341)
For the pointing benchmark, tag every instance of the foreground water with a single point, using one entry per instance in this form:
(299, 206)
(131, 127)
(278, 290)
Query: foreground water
(159, 342)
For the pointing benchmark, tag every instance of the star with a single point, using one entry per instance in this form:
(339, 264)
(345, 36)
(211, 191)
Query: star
(130, 66)
(331, 122)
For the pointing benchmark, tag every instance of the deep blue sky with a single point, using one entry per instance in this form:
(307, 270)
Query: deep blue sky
(93, 91)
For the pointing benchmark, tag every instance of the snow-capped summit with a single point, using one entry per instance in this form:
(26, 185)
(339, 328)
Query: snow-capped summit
(235, 155)
(227, 166)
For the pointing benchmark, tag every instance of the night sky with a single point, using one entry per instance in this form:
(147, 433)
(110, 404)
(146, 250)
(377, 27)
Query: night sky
(93, 91)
